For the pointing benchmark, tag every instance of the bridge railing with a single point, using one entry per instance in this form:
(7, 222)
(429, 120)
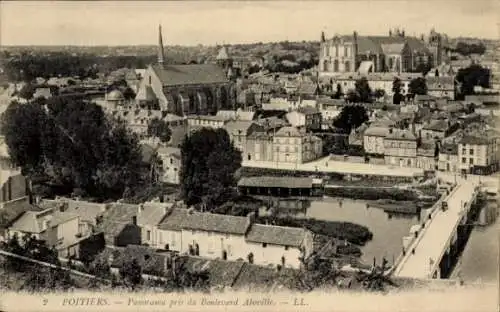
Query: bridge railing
(464, 210)
(424, 225)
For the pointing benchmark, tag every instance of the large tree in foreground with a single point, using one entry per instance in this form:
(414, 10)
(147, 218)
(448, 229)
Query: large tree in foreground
(209, 162)
(75, 145)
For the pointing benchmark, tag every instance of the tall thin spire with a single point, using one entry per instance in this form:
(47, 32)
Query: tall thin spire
(161, 55)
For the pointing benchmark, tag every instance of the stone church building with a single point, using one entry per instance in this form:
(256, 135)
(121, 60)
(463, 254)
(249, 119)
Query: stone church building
(186, 89)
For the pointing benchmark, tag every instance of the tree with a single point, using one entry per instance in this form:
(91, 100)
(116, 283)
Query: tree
(27, 91)
(474, 75)
(417, 86)
(160, 129)
(351, 117)
(363, 92)
(75, 145)
(209, 162)
(396, 89)
(131, 272)
(379, 93)
(338, 93)
(21, 126)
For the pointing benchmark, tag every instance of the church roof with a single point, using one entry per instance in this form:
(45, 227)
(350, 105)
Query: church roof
(173, 75)
(378, 44)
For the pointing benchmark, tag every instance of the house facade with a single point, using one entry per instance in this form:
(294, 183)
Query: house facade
(307, 116)
(170, 167)
(479, 154)
(373, 139)
(448, 158)
(293, 145)
(400, 148)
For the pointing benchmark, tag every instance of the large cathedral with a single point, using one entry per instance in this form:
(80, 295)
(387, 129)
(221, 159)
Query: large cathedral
(186, 89)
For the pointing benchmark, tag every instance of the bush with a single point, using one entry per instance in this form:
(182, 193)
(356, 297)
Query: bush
(354, 233)
(371, 193)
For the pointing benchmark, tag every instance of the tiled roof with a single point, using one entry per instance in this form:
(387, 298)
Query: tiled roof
(116, 218)
(13, 211)
(172, 75)
(30, 221)
(233, 127)
(289, 132)
(403, 135)
(152, 213)
(308, 110)
(173, 220)
(221, 273)
(255, 277)
(437, 125)
(276, 235)
(215, 223)
(376, 131)
(268, 181)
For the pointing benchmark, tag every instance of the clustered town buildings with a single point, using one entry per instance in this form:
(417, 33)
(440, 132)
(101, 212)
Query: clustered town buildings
(431, 132)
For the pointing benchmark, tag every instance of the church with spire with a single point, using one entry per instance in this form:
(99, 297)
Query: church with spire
(186, 89)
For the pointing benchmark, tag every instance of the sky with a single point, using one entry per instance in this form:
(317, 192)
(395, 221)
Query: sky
(218, 22)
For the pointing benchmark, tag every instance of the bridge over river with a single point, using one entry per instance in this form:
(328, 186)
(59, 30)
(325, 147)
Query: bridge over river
(436, 243)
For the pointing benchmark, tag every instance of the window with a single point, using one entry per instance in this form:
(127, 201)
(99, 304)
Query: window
(264, 245)
(149, 78)
(148, 234)
(464, 151)
(286, 247)
(171, 161)
(471, 161)
(471, 151)
(464, 160)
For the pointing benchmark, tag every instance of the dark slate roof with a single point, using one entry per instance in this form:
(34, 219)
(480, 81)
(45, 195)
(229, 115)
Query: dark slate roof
(474, 140)
(216, 223)
(284, 182)
(276, 235)
(449, 149)
(173, 75)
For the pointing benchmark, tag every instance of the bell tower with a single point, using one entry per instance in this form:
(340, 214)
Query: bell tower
(161, 54)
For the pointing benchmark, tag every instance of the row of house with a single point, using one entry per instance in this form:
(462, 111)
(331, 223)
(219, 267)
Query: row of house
(429, 147)
(82, 229)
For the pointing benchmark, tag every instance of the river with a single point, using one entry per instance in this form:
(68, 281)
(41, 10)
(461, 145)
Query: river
(387, 231)
(480, 258)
